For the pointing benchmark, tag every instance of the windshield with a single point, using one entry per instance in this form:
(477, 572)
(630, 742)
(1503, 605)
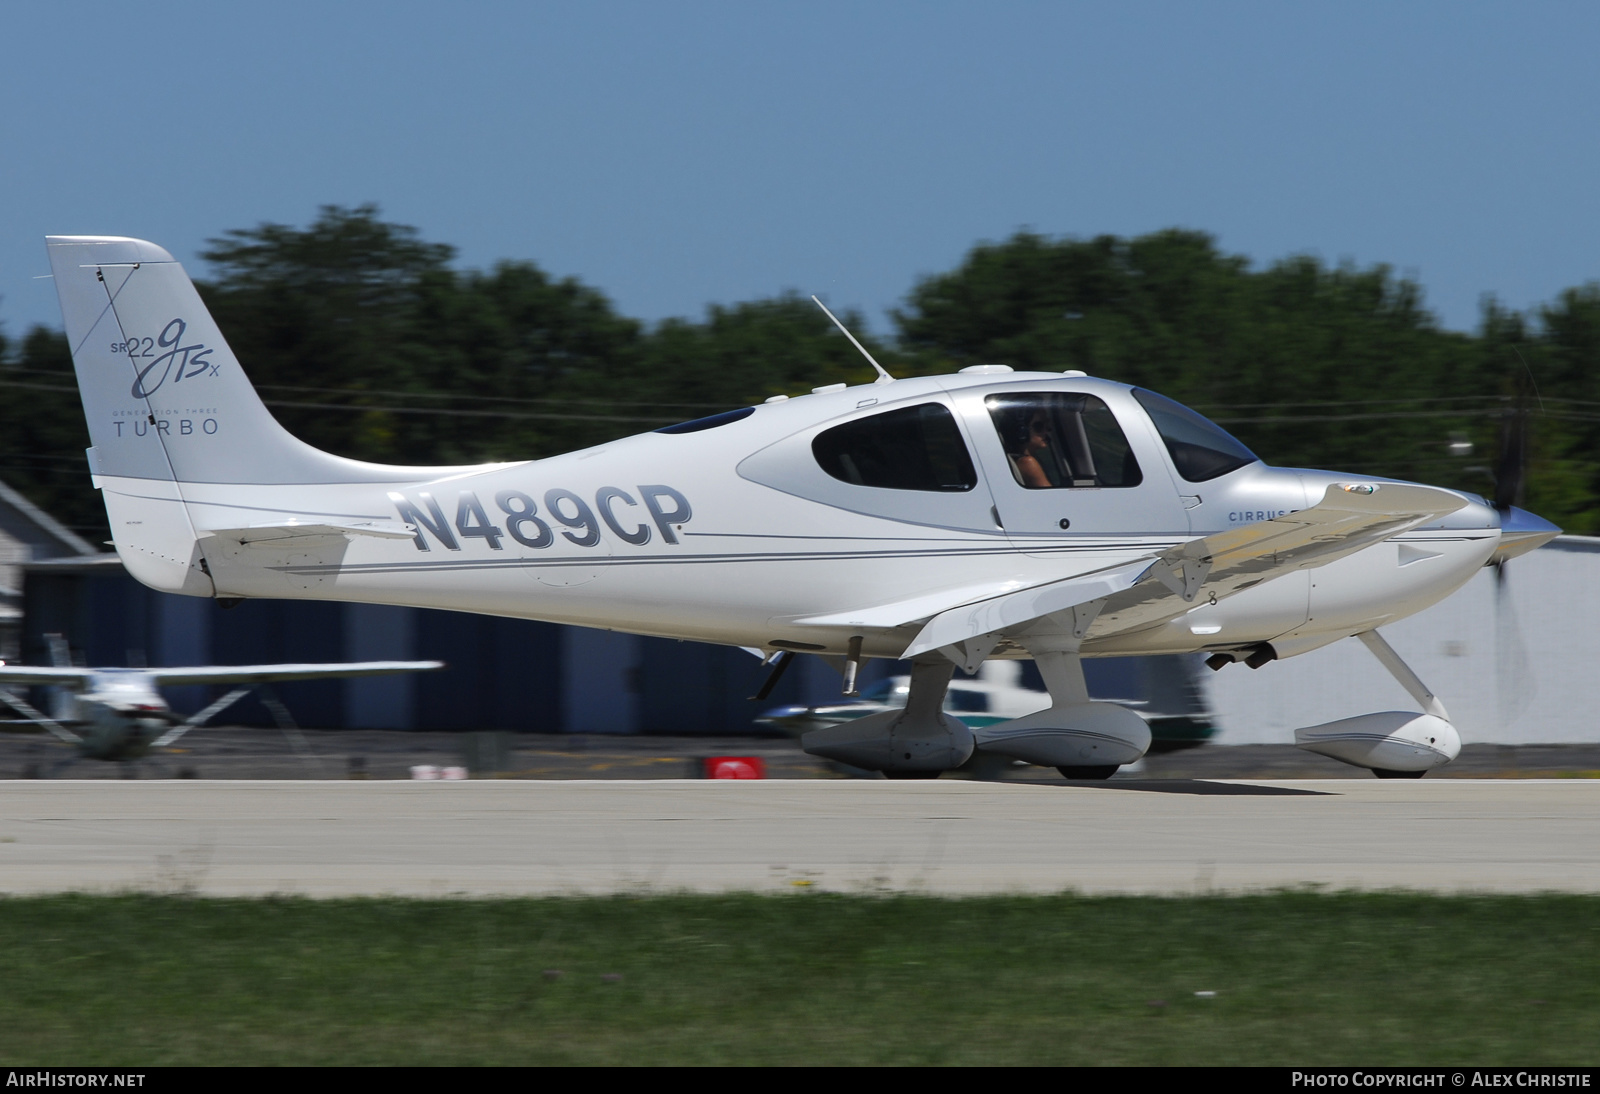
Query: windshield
(1200, 448)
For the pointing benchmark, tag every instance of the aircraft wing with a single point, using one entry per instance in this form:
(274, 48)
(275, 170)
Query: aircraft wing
(1350, 517)
(40, 674)
(264, 674)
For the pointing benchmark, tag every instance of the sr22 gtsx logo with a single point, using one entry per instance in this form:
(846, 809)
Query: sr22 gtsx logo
(667, 510)
(180, 362)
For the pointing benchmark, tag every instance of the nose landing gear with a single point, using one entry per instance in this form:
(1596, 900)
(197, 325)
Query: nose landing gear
(1394, 744)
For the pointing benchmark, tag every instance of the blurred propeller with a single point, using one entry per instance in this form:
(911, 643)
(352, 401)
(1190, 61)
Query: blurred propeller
(1513, 669)
(1514, 684)
(1511, 469)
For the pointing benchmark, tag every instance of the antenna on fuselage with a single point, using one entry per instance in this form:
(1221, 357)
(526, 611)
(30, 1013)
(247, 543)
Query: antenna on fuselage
(883, 375)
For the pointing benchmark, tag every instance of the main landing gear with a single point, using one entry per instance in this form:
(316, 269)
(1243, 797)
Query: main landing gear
(920, 741)
(1101, 771)
(1080, 738)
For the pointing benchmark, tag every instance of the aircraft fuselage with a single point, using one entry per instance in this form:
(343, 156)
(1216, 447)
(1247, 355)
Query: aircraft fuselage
(736, 534)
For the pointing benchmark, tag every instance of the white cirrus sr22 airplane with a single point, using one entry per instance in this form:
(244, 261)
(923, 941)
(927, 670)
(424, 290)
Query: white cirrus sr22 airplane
(945, 520)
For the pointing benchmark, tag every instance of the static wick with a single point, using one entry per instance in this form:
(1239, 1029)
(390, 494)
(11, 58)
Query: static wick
(883, 374)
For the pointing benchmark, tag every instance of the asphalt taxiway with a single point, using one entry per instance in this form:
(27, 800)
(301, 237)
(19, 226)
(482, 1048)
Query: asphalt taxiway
(232, 752)
(485, 837)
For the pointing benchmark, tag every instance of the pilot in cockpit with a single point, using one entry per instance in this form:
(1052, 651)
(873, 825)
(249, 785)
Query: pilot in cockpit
(1029, 446)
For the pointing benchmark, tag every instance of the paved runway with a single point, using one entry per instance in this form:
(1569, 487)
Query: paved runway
(236, 752)
(489, 837)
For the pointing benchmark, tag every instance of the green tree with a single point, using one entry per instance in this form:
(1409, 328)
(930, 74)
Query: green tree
(365, 342)
(1562, 363)
(745, 353)
(1311, 366)
(43, 433)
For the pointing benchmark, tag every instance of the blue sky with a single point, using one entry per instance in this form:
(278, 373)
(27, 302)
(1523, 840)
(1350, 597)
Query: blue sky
(679, 154)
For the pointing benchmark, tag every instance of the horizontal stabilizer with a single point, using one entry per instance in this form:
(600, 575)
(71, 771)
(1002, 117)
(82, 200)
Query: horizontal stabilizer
(292, 530)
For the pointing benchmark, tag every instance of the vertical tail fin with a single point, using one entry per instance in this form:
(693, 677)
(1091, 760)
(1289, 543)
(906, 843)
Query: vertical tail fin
(169, 408)
(164, 395)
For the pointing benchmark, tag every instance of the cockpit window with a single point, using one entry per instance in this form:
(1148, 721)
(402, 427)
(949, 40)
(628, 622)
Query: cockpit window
(1059, 439)
(914, 448)
(1200, 449)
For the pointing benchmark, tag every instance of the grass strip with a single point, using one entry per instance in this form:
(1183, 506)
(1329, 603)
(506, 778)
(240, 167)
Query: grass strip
(1299, 978)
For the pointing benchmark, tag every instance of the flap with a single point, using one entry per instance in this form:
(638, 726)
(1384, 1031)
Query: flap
(916, 609)
(1014, 609)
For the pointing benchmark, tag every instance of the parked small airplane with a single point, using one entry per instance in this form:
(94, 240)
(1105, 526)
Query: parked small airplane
(994, 695)
(1175, 711)
(945, 520)
(117, 713)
